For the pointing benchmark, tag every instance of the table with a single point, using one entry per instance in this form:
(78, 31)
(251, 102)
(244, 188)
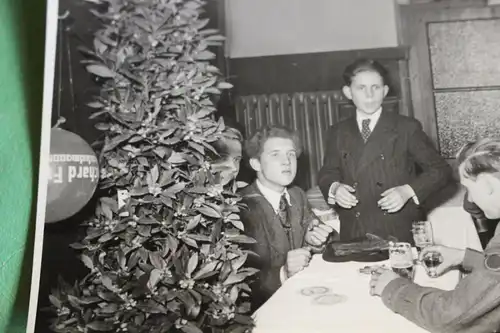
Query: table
(290, 311)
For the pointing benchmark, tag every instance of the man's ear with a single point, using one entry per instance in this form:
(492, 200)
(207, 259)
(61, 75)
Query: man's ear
(386, 90)
(486, 182)
(255, 164)
(347, 92)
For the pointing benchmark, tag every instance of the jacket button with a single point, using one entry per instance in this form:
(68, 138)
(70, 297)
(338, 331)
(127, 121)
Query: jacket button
(379, 184)
(382, 157)
(358, 214)
(355, 185)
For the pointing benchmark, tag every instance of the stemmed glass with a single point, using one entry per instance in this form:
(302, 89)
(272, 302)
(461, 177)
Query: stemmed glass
(423, 237)
(422, 234)
(432, 260)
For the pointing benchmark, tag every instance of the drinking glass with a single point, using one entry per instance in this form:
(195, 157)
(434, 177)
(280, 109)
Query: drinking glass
(432, 260)
(422, 234)
(401, 259)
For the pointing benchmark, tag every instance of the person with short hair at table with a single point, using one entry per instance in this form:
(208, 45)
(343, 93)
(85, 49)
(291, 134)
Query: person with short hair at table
(474, 305)
(229, 148)
(369, 170)
(278, 215)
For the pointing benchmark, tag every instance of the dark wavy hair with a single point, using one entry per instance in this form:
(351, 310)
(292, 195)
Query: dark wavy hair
(254, 145)
(364, 65)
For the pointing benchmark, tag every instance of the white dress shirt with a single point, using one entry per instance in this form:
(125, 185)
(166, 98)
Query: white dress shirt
(273, 197)
(374, 117)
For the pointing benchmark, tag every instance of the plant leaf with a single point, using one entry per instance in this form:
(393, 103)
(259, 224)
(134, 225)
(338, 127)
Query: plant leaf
(238, 262)
(209, 211)
(207, 268)
(87, 262)
(101, 70)
(238, 224)
(55, 301)
(242, 239)
(192, 263)
(190, 328)
(154, 278)
(154, 174)
(235, 278)
(176, 158)
(100, 326)
(224, 85)
(156, 260)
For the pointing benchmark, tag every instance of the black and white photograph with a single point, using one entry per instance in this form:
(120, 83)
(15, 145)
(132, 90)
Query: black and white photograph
(272, 166)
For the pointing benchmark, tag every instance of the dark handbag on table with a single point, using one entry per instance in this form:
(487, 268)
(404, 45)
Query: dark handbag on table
(368, 249)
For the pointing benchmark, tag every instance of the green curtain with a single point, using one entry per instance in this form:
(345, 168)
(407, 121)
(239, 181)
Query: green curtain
(22, 36)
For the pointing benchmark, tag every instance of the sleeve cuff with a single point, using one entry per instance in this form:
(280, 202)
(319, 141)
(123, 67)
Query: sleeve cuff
(413, 195)
(331, 190)
(283, 276)
(472, 259)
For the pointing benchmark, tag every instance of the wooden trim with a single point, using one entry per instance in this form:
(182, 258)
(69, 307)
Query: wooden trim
(307, 71)
(406, 106)
(415, 19)
(443, 4)
(386, 53)
(466, 89)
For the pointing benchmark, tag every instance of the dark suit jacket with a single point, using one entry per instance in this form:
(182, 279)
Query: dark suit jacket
(388, 159)
(263, 224)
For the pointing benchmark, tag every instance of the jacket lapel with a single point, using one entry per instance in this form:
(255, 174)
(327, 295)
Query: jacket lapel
(274, 224)
(295, 218)
(382, 137)
(352, 147)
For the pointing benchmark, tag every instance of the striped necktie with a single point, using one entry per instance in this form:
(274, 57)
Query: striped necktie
(285, 222)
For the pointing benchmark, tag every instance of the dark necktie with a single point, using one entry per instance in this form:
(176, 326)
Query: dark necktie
(365, 129)
(285, 222)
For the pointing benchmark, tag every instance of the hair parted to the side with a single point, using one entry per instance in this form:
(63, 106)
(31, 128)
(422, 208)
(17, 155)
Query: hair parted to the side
(481, 156)
(255, 144)
(364, 65)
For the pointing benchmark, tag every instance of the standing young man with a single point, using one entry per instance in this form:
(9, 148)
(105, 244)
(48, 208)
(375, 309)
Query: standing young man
(369, 169)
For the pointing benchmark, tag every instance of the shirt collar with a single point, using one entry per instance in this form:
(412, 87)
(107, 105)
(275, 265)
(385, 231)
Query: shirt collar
(374, 117)
(272, 196)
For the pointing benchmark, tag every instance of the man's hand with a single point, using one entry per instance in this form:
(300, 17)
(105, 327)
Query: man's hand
(317, 233)
(395, 198)
(451, 257)
(380, 279)
(342, 195)
(296, 260)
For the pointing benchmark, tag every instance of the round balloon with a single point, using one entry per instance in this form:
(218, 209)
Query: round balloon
(74, 174)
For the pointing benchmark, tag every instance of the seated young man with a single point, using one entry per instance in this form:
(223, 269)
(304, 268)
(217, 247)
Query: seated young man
(474, 304)
(278, 215)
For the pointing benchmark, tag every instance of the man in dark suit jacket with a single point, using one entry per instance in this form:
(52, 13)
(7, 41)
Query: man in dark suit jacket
(278, 215)
(369, 168)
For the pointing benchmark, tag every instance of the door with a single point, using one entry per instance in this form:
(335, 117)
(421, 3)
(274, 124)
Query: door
(454, 70)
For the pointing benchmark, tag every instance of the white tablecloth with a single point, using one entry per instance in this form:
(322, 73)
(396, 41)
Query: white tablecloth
(356, 311)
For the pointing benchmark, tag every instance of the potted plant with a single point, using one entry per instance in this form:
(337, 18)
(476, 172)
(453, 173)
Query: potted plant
(164, 248)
